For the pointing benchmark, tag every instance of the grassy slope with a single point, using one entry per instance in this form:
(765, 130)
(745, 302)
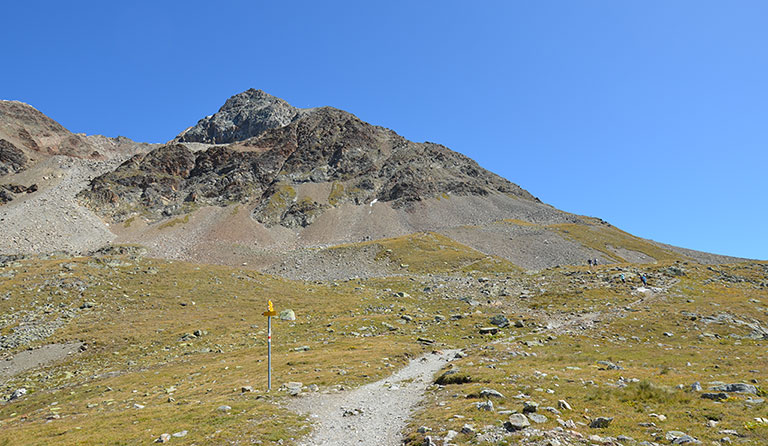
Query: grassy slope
(144, 307)
(659, 363)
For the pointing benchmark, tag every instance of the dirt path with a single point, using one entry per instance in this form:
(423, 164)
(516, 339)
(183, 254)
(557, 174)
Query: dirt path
(30, 359)
(374, 414)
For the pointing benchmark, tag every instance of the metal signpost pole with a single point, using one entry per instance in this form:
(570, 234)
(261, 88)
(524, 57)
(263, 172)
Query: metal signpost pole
(269, 353)
(269, 313)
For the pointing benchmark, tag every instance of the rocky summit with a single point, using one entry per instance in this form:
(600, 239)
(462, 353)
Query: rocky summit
(330, 149)
(243, 116)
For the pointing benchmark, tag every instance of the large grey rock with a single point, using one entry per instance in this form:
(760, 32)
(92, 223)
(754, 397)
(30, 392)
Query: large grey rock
(516, 422)
(287, 315)
(737, 388)
(490, 393)
(718, 396)
(600, 422)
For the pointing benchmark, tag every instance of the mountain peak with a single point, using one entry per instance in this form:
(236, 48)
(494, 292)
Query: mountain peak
(242, 116)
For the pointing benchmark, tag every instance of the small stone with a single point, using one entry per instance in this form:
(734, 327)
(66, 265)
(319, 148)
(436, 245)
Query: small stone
(294, 388)
(87, 304)
(246, 389)
(180, 434)
(389, 327)
(686, 439)
(224, 408)
(468, 429)
(673, 435)
(519, 324)
(607, 365)
(696, 387)
(287, 315)
(530, 406)
(163, 438)
(489, 330)
(428, 441)
(600, 422)
(423, 429)
(500, 321)
(485, 405)
(18, 393)
(138, 406)
(490, 393)
(720, 396)
(537, 418)
(563, 404)
(517, 421)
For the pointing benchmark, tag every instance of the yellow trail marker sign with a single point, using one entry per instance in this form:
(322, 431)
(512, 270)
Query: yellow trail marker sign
(271, 311)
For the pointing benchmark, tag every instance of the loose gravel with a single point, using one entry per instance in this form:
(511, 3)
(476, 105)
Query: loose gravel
(374, 414)
(51, 219)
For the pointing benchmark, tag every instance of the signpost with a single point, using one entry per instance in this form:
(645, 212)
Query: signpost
(269, 313)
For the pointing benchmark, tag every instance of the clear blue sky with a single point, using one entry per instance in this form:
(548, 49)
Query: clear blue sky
(652, 115)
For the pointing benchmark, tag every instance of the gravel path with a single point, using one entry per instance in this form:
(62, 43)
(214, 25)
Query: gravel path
(30, 359)
(374, 414)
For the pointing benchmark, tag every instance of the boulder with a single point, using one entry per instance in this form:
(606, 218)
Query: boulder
(490, 393)
(600, 422)
(737, 388)
(500, 321)
(516, 422)
(287, 315)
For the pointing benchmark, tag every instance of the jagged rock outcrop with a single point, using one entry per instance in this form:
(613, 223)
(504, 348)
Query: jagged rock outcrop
(12, 159)
(355, 161)
(243, 116)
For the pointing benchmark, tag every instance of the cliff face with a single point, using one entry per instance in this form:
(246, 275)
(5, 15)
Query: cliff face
(356, 161)
(12, 159)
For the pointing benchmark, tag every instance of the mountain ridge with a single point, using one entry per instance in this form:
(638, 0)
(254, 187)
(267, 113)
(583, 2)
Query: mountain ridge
(299, 180)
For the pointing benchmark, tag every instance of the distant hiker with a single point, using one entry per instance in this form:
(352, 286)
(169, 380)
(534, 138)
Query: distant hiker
(622, 278)
(594, 262)
(590, 262)
(645, 281)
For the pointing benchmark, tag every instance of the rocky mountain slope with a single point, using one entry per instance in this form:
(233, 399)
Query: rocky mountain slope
(329, 149)
(280, 183)
(29, 140)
